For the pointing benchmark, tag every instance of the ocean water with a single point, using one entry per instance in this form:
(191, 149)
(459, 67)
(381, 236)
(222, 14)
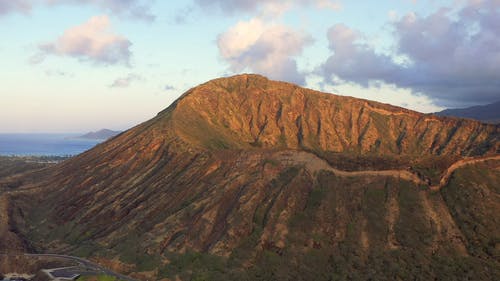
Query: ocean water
(44, 144)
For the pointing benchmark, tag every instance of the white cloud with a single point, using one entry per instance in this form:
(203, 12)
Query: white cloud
(9, 6)
(327, 4)
(275, 8)
(92, 41)
(58, 72)
(393, 15)
(124, 82)
(265, 7)
(240, 38)
(267, 49)
(139, 9)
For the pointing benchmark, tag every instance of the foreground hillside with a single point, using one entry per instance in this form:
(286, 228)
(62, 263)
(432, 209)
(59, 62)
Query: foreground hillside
(251, 179)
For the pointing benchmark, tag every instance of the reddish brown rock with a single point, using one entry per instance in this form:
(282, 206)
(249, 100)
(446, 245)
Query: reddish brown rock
(244, 165)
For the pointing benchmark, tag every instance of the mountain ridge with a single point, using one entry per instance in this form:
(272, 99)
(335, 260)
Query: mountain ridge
(272, 117)
(241, 173)
(489, 113)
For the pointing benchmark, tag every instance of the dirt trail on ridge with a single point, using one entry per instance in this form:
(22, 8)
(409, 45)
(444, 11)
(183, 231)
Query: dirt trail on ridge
(314, 164)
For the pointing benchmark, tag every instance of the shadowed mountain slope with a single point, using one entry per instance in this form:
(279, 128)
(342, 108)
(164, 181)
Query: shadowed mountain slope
(245, 172)
(489, 113)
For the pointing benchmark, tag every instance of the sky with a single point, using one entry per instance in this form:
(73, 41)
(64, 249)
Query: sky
(83, 65)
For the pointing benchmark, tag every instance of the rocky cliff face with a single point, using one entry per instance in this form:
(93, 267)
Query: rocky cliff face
(251, 111)
(244, 172)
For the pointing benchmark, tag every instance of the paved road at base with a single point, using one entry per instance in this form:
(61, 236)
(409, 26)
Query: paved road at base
(87, 264)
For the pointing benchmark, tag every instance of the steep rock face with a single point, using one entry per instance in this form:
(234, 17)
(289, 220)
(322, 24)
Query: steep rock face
(233, 169)
(251, 111)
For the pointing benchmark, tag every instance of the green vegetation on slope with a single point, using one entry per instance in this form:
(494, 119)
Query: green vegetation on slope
(472, 197)
(314, 251)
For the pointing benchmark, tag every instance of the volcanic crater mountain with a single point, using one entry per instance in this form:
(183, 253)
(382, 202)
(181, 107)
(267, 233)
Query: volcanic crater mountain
(252, 179)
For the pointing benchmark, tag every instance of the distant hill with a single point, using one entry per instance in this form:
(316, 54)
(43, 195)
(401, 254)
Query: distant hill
(100, 135)
(489, 113)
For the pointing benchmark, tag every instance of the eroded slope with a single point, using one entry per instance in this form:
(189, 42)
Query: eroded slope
(244, 172)
(251, 111)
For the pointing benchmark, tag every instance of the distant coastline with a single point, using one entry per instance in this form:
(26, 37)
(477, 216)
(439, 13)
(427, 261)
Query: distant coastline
(40, 144)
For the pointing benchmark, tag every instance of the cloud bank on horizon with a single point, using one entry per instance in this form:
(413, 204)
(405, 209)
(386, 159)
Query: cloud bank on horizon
(448, 56)
(419, 54)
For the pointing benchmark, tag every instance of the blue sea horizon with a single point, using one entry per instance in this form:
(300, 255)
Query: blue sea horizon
(44, 144)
